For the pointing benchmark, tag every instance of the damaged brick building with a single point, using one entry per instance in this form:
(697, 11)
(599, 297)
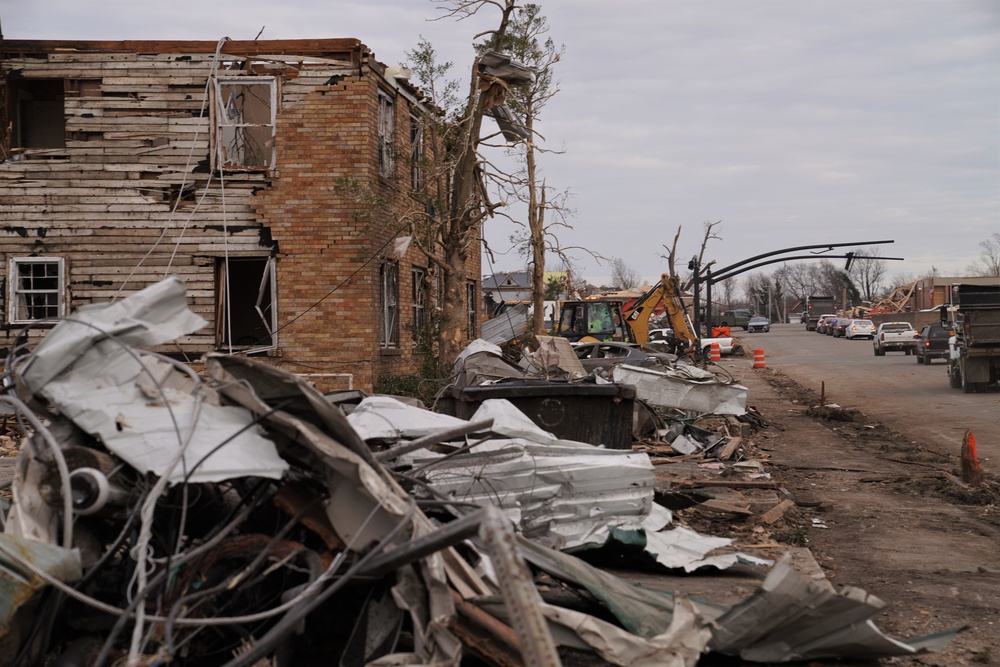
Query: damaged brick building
(236, 165)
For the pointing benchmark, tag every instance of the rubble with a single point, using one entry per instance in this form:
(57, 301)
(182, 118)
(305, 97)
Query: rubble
(236, 516)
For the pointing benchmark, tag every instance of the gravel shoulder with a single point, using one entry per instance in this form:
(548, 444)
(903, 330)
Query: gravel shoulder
(884, 512)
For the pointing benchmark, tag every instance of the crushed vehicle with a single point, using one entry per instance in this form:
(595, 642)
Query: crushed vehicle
(894, 337)
(606, 356)
(234, 515)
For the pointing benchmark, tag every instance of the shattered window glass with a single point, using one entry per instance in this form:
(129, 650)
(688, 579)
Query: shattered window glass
(36, 289)
(245, 122)
(389, 300)
(386, 129)
(416, 154)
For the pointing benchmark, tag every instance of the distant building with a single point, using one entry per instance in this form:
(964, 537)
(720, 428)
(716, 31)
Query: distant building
(933, 291)
(508, 287)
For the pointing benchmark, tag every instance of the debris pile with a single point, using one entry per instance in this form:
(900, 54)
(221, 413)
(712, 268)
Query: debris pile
(239, 517)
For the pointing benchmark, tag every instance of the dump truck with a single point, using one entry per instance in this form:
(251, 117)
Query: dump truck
(816, 306)
(974, 349)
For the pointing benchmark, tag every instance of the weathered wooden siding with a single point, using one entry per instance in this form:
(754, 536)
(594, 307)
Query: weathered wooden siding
(139, 126)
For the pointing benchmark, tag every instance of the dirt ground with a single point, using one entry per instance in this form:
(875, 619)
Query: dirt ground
(881, 512)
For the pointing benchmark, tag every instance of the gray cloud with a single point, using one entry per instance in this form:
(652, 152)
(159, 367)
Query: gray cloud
(792, 122)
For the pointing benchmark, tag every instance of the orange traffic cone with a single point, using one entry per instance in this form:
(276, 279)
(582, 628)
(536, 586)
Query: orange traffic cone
(714, 352)
(971, 472)
(758, 358)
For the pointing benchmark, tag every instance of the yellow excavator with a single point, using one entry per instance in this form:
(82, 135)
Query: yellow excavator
(599, 320)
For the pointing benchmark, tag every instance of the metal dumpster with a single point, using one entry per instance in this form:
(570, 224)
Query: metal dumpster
(598, 414)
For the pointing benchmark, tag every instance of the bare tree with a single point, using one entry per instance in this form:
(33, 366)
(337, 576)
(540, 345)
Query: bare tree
(623, 276)
(451, 224)
(988, 262)
(526, 41)
(867, 273)
(800, 279)
(729, 290)
(672, 258)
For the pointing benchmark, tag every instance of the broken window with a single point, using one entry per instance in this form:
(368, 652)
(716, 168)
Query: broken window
(245, 122)
(470, 304)
(419, 305)
(37, 286)
(416, 154)
(388, 301)
(246, 316)
(37, 113)
(386, 129)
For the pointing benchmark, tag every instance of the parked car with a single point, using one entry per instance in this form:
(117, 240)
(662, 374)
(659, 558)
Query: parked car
(824, 321)
(659, 337)
(661, 334)
(840, 327)
(860, 329)
(606, 356)
(758, 323)
(735, 318)
(890, 336)
(932, 342)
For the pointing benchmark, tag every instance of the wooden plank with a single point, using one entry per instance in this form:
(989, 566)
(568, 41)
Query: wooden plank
(777, 511)
(691, 483)
(730, 448)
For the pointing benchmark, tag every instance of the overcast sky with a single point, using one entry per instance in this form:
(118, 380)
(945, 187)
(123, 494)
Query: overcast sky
(793, 122)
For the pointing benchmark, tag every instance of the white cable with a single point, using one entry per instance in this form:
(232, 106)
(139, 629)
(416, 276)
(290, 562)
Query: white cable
(141, 550)
(180, 192)
(306, 592)
(57, 454)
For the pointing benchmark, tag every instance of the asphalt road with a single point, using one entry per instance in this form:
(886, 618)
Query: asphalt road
(911, 398)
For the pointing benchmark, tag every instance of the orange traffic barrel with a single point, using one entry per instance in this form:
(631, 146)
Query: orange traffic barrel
(714, 352)
(758, 358)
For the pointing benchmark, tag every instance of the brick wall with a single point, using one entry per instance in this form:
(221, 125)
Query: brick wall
(334, 218)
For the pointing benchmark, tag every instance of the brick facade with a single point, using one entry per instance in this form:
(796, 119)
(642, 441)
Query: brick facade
(101, 202)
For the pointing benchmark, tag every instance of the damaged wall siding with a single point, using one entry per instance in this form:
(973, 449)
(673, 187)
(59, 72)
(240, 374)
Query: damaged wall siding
(135, 131)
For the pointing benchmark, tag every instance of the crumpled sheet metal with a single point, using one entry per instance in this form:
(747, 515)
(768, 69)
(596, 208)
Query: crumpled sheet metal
(790, 618)
(18, 584)
(563, 493)
(387, 418)
(685, 388)
(683, 548)
(108, 390)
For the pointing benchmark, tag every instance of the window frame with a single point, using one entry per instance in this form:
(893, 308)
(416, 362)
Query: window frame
(419, 296)
(268, 286)
(386, 135)
(14, 306)
(417, 155)
(388, 275)
(218, 163)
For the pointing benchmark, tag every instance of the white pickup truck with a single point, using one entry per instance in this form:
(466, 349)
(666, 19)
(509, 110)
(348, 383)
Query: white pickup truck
(894, 336)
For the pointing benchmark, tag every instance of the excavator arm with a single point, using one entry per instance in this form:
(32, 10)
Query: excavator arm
(637, 315)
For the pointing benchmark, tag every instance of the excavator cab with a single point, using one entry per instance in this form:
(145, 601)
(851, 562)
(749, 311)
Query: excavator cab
(592, 321)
